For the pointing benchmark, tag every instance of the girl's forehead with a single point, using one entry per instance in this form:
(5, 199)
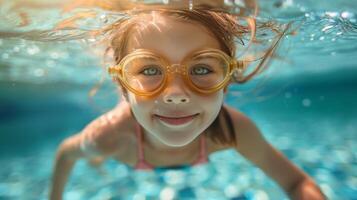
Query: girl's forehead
(170, 36)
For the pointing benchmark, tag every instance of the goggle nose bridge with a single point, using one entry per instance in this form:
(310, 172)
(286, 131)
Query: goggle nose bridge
(176, 68)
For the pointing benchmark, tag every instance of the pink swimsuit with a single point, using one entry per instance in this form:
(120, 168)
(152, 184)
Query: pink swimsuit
(142, 165)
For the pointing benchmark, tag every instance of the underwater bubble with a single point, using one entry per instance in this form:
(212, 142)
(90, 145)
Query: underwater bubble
(306, 102)
(231, 191)
(174, 177)
(261, 195)
(167, 193)
(92, 40)
(326, 28)
(331, 14)
(104, 18)
(321, 38)
(333, 39)
(302, 9)
(346, 14)
(33, 50)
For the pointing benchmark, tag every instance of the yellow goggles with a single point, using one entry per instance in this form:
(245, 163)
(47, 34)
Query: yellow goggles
(146, 73)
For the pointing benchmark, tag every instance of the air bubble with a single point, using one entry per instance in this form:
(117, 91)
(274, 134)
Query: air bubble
(167, 193)
(332, 14)
(306, 102)
(327, 28)
(346, 14)
(231, 191)
(104, 18)
(33, 50)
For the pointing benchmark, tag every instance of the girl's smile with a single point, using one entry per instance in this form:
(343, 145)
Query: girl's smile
(176, 122)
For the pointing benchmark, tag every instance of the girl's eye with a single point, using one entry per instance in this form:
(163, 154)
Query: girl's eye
(151, 71)
(201, 70)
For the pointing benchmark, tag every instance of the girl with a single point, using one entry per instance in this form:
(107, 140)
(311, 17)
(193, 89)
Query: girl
(173, 66)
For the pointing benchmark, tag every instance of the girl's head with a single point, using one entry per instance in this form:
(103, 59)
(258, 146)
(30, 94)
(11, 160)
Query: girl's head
(175, 35)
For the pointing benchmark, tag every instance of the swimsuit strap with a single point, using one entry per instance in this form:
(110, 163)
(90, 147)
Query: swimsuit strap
(141, 164)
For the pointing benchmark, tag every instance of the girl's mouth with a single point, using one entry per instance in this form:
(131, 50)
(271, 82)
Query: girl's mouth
(176, 121)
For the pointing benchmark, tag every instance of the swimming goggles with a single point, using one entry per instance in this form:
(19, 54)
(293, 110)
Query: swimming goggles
(146, 73)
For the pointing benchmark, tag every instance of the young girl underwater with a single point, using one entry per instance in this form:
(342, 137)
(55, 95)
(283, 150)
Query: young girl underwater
(173, 66)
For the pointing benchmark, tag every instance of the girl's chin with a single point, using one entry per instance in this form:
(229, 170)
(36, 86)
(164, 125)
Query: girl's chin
(175, 143)
(178, 139)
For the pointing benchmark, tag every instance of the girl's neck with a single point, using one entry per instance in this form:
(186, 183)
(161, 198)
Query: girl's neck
(155, 144)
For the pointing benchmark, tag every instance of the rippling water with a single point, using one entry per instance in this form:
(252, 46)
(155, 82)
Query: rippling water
(306, 107)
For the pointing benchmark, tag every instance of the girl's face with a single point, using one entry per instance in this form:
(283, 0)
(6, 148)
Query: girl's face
(174, 39)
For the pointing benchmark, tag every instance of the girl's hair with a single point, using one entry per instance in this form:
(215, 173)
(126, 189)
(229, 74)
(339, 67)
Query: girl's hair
(229, 30)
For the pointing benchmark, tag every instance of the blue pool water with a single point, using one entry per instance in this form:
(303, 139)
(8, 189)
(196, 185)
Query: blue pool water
(306, 108)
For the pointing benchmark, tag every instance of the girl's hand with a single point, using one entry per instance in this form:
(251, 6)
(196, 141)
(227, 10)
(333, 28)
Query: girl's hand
(306, 190)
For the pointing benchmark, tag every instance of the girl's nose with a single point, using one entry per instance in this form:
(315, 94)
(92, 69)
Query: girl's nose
(175, 92)
(176, 99)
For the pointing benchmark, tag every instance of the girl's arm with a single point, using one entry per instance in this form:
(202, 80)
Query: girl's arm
(67, 154)
(97, 140)
(251, 144)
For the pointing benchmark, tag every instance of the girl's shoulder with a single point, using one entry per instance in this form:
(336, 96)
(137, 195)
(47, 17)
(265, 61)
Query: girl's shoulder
(243, 125)
(110, 131)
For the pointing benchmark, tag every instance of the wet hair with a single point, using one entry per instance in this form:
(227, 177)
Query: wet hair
(229, 29)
